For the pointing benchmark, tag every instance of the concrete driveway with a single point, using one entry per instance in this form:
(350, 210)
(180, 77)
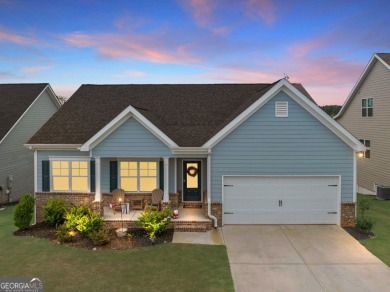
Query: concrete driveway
(301, 258)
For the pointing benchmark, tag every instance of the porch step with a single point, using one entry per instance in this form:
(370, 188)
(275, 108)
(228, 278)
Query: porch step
(191, 226)
(196, 205)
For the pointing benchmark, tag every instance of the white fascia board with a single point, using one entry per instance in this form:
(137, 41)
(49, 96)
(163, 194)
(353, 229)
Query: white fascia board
(324, 118)
(361, 79)
(51, 93)
(130, 111)
(53, 146)
(243, 116)
(300, 98)
(191, 150)
(53, 96)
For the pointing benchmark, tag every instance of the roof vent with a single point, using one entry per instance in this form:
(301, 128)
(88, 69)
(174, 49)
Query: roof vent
(281, 109)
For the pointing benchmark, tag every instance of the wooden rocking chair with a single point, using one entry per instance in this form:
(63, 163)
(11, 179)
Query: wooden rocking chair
(118, 198)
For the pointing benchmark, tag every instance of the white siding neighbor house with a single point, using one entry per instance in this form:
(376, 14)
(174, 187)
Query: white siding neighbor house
(24, 108)
(365, 114)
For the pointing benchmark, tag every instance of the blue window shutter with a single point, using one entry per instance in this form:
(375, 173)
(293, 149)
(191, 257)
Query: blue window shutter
(92, 171)
(113, 175)
(161, 175)
(45, 176)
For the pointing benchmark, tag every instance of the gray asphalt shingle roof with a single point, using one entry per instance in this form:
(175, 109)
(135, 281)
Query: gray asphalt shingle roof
(189, 114)
(14, 101)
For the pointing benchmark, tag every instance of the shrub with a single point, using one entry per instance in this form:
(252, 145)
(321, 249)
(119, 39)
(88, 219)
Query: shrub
(55, 211)
(365, 224)
(155, 222)
(24, 211)
(100, 237)
(63, 234)
(83, 219)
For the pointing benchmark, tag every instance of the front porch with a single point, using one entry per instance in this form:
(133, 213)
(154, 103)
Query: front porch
(190, 219)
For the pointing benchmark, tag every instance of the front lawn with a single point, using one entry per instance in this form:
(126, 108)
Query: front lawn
(164, 267)
(380, 244)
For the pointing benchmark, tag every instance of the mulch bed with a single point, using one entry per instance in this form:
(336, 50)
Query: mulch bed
(43, 230)
(357, 234)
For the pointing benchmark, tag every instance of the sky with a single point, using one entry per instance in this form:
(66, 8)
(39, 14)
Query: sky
(325, 45)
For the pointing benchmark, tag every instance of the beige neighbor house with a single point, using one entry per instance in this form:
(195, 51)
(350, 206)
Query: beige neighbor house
(366, 114)
(24, 108)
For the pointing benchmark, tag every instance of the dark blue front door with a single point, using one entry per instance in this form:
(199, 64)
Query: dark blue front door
(191, 181)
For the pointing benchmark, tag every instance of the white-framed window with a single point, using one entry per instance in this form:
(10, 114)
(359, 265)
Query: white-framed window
(69, 175)
(281, 109)
(367, 143)
(138, 176)
(367, 107)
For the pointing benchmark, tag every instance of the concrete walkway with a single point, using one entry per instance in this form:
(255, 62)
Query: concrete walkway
(301, 258)
(211, 237)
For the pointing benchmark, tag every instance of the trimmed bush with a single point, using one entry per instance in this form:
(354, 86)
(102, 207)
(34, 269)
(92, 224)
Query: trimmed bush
(24, 212)
(364, 223)
(155, 222)
(55, 211)
(100, 237)
(63, 234)
(83, 219)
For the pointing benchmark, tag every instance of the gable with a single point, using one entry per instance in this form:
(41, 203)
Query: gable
(131, 139)
(15, 100)
(378, 62)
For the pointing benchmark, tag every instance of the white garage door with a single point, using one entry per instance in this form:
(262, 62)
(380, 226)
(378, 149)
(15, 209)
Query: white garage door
(281, 200)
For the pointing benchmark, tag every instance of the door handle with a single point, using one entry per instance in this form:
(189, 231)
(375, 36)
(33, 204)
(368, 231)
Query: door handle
(281, 203)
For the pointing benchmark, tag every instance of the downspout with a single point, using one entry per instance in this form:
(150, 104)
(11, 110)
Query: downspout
(209, 191)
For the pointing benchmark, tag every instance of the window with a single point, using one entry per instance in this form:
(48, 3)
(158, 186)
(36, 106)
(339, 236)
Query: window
(138, 176)
(70, 175)
(367, 143)
(367, 107)
(281, 109)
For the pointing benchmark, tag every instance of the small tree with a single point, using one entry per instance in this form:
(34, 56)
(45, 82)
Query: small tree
(24, 211)
(364, 223)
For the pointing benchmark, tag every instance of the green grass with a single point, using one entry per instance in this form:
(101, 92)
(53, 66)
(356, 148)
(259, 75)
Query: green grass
(380, 244)
(167, 267)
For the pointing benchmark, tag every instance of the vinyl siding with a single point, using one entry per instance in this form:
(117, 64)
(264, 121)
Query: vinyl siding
(296, 145)
(375, 169)
(44, 155)
(16, 160)
(131, 139)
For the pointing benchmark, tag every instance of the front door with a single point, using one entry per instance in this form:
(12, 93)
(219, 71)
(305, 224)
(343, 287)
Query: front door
(191, 181)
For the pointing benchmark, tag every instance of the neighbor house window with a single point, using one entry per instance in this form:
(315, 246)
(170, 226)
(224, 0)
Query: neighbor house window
(367, 107)
(138, 176)
(70, 175)
(366, 143)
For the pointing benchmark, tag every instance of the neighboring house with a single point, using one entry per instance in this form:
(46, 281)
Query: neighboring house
(365, 114)
(24, 108)
(247, 153)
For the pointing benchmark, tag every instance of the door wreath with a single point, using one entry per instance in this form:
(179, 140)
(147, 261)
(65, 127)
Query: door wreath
(192, 171)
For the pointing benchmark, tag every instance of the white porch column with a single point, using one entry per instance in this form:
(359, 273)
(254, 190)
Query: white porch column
(98, 192)
(166, 180)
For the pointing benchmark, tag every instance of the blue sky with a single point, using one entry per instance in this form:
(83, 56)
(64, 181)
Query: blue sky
(324, 45)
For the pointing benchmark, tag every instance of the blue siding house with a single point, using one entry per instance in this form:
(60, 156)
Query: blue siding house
(245, 153)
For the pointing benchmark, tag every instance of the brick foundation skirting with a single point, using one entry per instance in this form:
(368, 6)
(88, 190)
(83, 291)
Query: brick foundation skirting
(348, 214)
(70, 198)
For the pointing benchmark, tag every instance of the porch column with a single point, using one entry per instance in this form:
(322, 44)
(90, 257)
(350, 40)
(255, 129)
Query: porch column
(98, 193)
(166, 180)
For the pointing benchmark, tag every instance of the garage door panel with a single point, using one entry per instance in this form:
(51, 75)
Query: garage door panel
(281, 200)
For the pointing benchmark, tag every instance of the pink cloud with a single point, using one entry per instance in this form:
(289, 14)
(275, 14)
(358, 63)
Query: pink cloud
(202, 10)
(35, 70)
(132, 46)
(264, 9)
(131, 74)
(12, 37)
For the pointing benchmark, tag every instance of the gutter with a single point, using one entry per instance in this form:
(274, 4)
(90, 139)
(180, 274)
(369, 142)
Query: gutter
(209, 191)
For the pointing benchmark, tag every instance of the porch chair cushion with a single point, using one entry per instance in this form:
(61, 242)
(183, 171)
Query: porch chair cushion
(118, 198)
